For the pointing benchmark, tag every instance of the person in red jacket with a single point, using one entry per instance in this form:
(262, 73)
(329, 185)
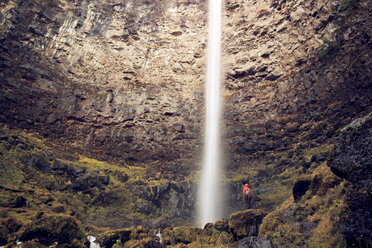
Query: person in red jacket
(247, 196)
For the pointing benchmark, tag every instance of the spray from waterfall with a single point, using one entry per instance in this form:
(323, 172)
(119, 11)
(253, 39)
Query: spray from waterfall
(210, 191)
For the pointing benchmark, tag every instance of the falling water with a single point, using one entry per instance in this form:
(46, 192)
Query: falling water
(209, 192)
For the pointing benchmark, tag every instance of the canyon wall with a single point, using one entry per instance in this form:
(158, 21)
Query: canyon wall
(122, 77)
(124, 81)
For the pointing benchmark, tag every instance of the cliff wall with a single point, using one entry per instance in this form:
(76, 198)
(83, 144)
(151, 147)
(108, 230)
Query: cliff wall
(124, 81)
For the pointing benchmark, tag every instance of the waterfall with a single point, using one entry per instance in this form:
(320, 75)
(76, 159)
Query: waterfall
(210, 192)
(92, 242)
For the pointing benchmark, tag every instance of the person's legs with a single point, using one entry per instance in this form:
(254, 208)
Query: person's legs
(246, 202)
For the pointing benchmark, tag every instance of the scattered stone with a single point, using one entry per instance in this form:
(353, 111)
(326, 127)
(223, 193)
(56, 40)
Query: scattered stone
(179, 128)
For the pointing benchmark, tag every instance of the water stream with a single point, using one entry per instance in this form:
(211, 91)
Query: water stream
(210, 208)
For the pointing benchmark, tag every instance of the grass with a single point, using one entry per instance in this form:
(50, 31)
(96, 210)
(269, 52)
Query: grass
(20, 179)
(319, 209)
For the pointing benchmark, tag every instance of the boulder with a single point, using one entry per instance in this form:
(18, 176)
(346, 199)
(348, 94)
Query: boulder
(108, 239)
(246, 223)
(39, 162)
(55, 228)
(177, 235)
(352, 157)
(253, 242)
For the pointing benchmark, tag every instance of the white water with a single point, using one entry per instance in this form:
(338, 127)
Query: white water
(93, 244)
(209, 191)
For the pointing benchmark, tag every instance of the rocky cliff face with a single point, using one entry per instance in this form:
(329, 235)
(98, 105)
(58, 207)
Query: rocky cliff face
(291, 72)
(124, 80)
(123, 77)
(127, 78)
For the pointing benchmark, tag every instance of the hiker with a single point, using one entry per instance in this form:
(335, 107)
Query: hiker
(247, 196)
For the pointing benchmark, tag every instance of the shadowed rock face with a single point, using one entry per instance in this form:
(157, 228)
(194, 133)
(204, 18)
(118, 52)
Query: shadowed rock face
(122, 77)
(351, 160)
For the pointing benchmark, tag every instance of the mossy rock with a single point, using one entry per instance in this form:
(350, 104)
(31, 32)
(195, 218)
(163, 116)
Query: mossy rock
(110, 238)
(246, 223)
(55, 228)
(149, 242)
(184, 235)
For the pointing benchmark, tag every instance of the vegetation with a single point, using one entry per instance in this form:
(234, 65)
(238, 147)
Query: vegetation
(313, 221)
(327, 49)
(347, 7)
(38, 178)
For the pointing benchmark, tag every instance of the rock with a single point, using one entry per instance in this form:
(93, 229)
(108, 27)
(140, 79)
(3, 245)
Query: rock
(59, 209)
(74, 171)
(253, 242)
(39, 162)
(179, 128)
(297, 15)
(55, 228)
(123, 178)
(181, 235)
(108, 239)
(58, 167)
(222, 225)
(145, 206)
(246, 223)
(352, 158)
(104, 179)
(300, 187)
(12, 225)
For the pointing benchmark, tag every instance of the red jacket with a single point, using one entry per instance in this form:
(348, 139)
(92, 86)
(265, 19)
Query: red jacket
(246, 187)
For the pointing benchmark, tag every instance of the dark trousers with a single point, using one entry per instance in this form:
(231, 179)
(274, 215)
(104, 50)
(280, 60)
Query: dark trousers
(248, 202)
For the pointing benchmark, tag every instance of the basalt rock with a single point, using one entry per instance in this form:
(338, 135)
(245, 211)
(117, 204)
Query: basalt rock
(246, 223)
(55, 228)
(351, 159)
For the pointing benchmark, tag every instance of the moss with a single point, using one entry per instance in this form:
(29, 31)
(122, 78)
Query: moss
(55, 228)
(347, 6)
(328, 49)
(314, 220)
(184, 235)
(117, 237)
